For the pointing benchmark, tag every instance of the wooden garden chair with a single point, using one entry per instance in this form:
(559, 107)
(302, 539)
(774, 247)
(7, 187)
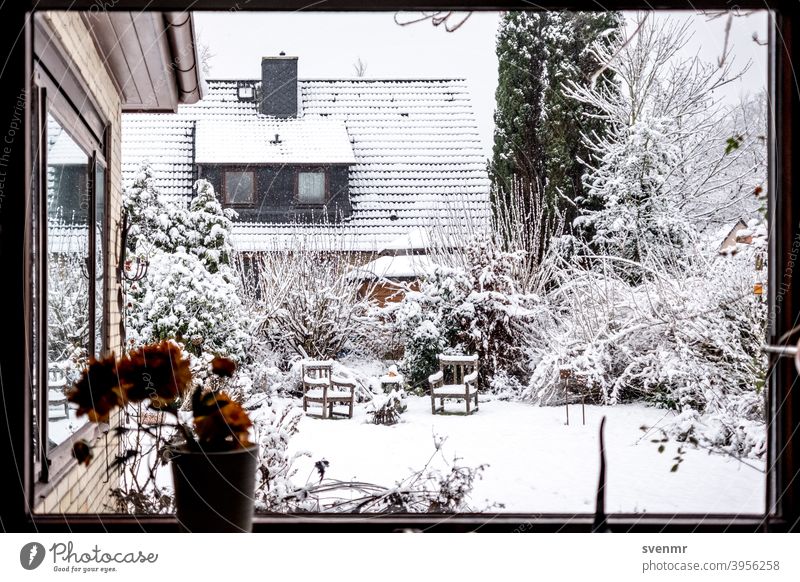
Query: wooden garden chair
(463, 372)
(56, 392)
(321, 388)
(341, 393)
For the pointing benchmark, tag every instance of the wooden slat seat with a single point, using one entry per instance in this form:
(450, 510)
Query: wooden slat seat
(464, 373)
(321, 387)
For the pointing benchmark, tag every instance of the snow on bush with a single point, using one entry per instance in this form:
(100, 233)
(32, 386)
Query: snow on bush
(305, 300)
(386, 408)
(687, 341)
(475, 309)
(181, 299)
(190, 291)
(273, 430)
(67, 314)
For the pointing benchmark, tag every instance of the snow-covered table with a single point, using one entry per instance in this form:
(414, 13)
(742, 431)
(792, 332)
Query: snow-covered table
(392, 380)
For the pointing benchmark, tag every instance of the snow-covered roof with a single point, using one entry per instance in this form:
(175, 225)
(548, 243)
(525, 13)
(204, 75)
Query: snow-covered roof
(416, 239)
(269, 140)
(61, 148)
(65, 239)
(396, 267)
(415, 145)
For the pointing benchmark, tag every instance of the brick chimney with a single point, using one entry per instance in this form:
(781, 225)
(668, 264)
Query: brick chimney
(279, 86)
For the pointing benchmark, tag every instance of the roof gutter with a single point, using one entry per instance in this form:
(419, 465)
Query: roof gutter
(185, 62)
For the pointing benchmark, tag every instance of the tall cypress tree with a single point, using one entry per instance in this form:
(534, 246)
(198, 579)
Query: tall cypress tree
(518, 147)
(537, 141)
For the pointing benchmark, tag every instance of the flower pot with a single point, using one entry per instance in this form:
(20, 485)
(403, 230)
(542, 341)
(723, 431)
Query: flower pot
(214, 491)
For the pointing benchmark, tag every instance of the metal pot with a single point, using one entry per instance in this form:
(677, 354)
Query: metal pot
(214, 491)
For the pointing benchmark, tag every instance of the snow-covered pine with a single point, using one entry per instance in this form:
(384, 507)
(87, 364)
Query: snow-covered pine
(190, 292)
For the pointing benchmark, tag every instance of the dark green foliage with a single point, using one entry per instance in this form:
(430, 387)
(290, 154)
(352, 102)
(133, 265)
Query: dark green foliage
(538, 145)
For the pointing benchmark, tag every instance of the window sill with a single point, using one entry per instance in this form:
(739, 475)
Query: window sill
(62, 462)
(518, 523)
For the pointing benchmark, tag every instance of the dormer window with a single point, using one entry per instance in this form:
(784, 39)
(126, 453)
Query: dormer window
(239, 187)
(311, 187)
(245, 92)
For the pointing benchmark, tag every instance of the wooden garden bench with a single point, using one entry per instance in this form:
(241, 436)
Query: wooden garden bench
(463, 372)
(322, 388)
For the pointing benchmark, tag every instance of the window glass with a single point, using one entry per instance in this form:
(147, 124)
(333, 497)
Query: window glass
(68, 318)
(311, 187)
(239, 187)
(99, 259)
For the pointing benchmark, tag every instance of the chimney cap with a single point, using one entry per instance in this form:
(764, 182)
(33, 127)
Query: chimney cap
(283, 54)
(282, 57)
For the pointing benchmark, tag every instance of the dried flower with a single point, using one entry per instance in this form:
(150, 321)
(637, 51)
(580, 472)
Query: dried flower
(82, 452)
(97, 391)
(223, 366)
(220, 422)
(158, 372)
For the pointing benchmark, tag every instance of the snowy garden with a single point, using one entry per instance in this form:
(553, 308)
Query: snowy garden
(642, 301)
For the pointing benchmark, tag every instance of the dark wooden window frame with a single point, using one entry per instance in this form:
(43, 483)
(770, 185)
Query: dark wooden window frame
(783, 478)
(242, 170)
(326, 185)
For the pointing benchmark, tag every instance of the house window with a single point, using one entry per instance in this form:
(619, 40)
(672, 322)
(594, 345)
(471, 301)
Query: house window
(311, 187)
(70, 269)
(240, 187)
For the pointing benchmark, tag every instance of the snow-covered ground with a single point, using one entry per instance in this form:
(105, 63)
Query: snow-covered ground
(535, 462)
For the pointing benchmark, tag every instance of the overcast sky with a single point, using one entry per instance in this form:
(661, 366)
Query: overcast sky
(329, 44)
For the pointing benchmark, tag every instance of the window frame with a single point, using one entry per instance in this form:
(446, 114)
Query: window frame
(239, 170)
(89, 130)
(325, 186)
(783, 510)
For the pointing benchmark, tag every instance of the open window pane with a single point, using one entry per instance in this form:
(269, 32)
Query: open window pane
(311, 187)
(68, 269)
(239, 187)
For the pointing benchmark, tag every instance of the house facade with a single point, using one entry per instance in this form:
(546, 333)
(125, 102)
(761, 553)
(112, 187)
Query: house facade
(359, 161)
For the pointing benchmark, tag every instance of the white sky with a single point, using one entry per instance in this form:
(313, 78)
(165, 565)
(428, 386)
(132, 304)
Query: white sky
(328, 44)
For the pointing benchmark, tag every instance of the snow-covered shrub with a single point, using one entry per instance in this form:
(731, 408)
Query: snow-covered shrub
(181, 299)
(686, 341)
(305, 300)
(473, 309)
(386, 408)
(190, 291)
(67, 314)
(273, 430)
(735, 427)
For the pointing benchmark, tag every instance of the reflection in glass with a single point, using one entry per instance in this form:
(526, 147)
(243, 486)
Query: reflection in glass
(68, 326)
(99, 253)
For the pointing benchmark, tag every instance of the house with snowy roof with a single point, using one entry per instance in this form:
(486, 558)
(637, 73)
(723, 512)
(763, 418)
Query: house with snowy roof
(362, 161)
